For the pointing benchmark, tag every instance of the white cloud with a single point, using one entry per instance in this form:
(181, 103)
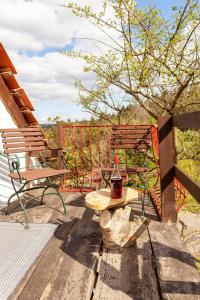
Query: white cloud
(29, 27)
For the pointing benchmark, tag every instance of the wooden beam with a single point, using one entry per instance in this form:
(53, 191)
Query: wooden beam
(5, 61)
(60, 140)
(11, 106)
(188, 120)
(166, 150)
(191, 186)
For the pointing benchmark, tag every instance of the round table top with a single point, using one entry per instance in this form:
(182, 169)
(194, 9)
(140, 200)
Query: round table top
(104, 201)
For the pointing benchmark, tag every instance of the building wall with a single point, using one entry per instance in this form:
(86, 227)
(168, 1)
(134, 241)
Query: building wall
(6, 188)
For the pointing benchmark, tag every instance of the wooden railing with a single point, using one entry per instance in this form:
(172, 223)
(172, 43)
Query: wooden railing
(91, 146)
(168, 170)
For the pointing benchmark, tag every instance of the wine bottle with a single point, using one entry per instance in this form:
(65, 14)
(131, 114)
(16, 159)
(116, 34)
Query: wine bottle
(116, 180)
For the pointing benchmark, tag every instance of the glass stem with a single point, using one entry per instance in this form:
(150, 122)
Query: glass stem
(97, 189)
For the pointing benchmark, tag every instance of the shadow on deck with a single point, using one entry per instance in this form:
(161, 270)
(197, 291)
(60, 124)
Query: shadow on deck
(76, 266)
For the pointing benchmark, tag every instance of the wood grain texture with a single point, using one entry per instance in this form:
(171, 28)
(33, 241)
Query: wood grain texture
(30, 129)
(135, 136)
(126, 127)
(104, 200)
(122, 141)
(23, 139)
(11, 105)
(131, 146)
(178, 276)
(166, 163)
(127, 273)
(47, 265)
(34, 174)
(27, 144)
(25, 149)
(187, 120)
(74, 275)
(21, 134)
(132, 132)
(43, 217)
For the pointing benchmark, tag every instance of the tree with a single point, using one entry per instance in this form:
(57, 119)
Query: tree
(153, 62)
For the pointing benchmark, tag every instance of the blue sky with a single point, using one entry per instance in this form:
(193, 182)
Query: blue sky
(40, 30)
(164, 5)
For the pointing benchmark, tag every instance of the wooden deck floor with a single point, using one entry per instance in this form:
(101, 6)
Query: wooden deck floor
(74, 266)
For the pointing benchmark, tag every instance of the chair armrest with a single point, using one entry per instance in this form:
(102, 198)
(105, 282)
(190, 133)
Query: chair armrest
(52, 153)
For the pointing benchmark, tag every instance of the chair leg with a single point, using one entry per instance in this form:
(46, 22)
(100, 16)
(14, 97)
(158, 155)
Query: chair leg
(143, 201)
(57, 192)
(63, 203)
(14, 194)
(41, 201)
(20, 202)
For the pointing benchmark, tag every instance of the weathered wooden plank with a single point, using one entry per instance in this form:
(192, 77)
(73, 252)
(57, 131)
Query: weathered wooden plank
(124, 141)
(187, 120)
(35, 216)
(60, 143)
(125, 127)
(127, 273)
(131, 146)
(25, 149)
(178, 276)
(166, 150)
(149, 210)
(29, 129)
(131, 136)
(23, 139)
(19, 145)
(132, 132)
(74, 275)
(48, 263)
(11, 105)
(34, 285)
(22, 134)
(190, 185)
(5, 60)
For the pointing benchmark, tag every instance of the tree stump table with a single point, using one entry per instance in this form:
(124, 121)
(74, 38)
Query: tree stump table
(116, 227)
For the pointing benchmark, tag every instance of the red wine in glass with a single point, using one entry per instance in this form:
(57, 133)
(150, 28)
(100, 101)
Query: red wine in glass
(97, 179)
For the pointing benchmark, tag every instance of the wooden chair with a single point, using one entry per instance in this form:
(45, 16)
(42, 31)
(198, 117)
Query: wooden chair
(136, 139)
(29, 141)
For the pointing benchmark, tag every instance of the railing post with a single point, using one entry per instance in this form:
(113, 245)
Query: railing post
(60, 140)
(166, 158)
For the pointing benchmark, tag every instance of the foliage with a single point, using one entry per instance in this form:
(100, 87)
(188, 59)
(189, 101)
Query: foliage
(188, 148)
(146, 60)
(188, 159)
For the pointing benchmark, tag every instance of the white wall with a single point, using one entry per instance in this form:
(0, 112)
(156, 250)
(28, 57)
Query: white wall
(6, 188)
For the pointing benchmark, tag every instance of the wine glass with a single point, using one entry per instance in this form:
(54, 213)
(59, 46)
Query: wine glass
(96, 178)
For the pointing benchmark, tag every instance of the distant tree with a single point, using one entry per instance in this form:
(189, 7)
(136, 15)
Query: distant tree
(154, 62)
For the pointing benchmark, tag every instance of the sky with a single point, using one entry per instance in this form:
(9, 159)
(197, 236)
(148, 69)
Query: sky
(35, 33)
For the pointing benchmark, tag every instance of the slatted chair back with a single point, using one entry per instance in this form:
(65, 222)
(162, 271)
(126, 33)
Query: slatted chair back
(136, 138)
(23, 140)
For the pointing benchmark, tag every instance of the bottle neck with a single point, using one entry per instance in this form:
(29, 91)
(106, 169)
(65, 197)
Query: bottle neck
(116, 172)
(116, 167)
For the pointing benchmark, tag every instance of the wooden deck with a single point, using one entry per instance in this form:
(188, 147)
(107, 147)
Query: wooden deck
(74, 266)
